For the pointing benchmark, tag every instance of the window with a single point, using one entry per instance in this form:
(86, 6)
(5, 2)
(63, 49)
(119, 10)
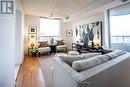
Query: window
(49, 29)
(120, 35)
(120, 27)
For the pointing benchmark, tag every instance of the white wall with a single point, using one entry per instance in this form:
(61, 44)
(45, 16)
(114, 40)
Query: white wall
(64, 27)
(92, 14)
(7, 50)
(30, 21)
(71, 25)
(19, 34)
(11, 45)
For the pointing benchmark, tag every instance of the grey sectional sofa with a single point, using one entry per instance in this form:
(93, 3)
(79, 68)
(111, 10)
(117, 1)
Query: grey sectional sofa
(113, 73)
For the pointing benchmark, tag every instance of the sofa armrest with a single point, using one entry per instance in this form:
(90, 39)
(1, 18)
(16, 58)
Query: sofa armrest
(65, 76)
(69, 70)
(115, 71)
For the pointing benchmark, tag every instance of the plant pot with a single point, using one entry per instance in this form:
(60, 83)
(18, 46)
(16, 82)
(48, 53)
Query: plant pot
(34, 54)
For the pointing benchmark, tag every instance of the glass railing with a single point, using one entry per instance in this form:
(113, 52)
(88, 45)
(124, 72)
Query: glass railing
(120, 43)
(48, 38)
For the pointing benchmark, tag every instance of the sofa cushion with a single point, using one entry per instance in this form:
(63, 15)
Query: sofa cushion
(43, 44)
(115, 54)
(88, 55)
(60, 42)
(44, 49)
(70, 58)
(60, 47)
(81, 65)
(119, 52)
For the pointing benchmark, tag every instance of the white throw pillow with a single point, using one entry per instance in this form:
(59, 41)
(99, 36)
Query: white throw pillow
(81, 65)
(89, 55)
(115, 54)
(70, 58)
(119, 52)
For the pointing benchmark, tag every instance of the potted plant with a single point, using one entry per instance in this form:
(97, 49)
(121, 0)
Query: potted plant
(34, 51)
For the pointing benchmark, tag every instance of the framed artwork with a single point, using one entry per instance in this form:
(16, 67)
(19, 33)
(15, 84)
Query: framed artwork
(69, 33)
(32, 37)
(90, 34)
(32, 29)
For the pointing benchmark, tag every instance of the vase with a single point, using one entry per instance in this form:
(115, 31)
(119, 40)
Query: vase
(34, 54)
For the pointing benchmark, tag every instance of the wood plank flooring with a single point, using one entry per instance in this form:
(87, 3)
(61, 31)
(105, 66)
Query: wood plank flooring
(30, 74)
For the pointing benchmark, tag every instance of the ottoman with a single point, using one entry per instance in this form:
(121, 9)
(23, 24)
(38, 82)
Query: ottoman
(60, 54)
(73, 53)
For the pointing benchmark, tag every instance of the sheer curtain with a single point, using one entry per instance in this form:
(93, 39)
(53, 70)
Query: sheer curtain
(49, 29)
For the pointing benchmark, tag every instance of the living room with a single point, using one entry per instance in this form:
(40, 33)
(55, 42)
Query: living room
(40, 31)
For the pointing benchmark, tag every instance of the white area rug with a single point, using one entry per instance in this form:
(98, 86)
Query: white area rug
(46, 64)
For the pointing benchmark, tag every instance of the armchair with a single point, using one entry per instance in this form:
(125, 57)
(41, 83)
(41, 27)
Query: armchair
(43, 47)
(61, 46)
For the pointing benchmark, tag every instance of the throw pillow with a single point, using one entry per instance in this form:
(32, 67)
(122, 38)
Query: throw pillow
(89, 55)
(81, 65)
(119, 52)
(115, 54)
(43, 44)
(70, 58)
(60, 42)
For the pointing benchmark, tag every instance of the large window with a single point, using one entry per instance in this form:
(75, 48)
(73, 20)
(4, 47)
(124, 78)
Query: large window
(120, 32)
(120, 27)
(49, 29)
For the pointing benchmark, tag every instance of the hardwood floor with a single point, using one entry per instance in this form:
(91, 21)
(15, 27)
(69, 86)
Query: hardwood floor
(30, 74)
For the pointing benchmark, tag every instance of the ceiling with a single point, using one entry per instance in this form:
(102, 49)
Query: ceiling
(61, 8)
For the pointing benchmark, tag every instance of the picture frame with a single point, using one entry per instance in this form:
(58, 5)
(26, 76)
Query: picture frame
(32, 37)
(69, 33)
(32, 29)
(89, 34)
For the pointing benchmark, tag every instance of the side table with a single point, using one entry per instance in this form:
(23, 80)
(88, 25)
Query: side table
(53, 48)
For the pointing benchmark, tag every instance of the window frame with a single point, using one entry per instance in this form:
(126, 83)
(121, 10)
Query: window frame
(49, 37)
